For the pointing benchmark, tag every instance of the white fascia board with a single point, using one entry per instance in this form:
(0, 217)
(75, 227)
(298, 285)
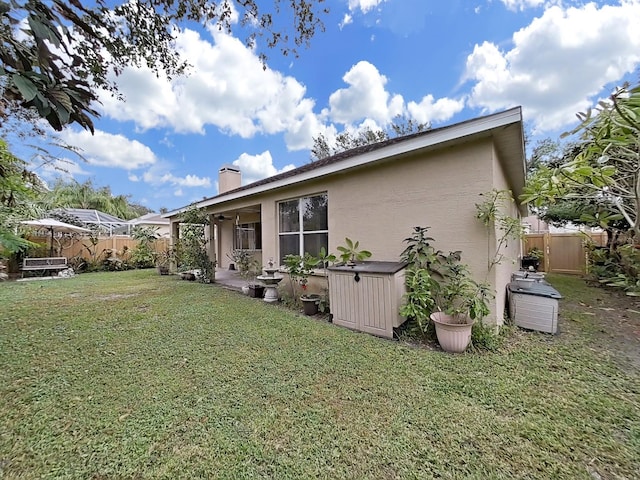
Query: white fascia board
(452, 133)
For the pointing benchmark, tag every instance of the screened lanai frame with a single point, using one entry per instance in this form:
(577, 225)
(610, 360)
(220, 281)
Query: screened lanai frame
(94, 219)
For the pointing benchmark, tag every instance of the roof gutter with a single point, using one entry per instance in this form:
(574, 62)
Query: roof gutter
(451, 134)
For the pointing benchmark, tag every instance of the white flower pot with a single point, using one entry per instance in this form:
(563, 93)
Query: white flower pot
(453, 336)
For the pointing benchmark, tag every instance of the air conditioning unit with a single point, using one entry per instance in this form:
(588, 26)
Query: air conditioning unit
(535, 307)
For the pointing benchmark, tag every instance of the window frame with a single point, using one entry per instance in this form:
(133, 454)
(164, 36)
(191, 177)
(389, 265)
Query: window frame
(254, 241)
(301, 232)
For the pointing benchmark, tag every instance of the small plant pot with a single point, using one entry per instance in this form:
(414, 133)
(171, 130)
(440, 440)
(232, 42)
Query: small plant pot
(163, 270)
(245, 289)
(256, 291)
(310, 304)
(453, 336)
(527, 261)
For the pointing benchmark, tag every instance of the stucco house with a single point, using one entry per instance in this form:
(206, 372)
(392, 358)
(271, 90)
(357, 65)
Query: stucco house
(152, 220)
(376, 194)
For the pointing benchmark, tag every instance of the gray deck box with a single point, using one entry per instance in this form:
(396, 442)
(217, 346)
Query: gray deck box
(535, 308)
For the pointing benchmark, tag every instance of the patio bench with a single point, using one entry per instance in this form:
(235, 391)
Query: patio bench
(44, 264)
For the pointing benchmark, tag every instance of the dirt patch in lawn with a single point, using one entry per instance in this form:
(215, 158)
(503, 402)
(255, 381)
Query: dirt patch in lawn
(612, 319)
(116, 296)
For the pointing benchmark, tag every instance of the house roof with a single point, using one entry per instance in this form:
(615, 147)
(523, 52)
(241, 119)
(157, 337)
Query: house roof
(149, 218)
(505, 127)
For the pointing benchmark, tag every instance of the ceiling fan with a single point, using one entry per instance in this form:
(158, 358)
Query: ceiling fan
(222, 218)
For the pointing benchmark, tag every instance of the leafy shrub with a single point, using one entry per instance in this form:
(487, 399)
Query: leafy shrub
(484, 337)
(617, 267)
(191, 251)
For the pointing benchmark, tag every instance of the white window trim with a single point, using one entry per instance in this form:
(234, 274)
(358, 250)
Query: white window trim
(301, 232)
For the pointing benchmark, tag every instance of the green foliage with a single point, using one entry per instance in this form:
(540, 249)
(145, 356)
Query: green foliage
(350, 252)
(247, 265)
(72, 194)
(115, 261)
(439, 282)
(143, 254)
(485, 337)
(617, 267)
(419, 251)
(18, 190)
(299, 269)
(418, 302)
(157, 378)
(535, 252)
(348, 140)
(604, 168)
(493, 212)
(325, 259)
(192, 245)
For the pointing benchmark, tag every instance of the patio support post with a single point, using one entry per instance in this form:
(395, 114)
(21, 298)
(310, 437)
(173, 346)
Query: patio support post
(212, 238)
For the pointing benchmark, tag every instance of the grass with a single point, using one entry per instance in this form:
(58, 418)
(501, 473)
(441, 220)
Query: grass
(133, 375)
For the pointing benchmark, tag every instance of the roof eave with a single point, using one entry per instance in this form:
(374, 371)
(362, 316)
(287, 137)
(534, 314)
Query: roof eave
(451, 135)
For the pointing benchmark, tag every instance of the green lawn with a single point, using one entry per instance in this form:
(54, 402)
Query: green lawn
(134, 375)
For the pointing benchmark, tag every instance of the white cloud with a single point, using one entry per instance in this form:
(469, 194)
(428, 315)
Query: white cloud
(109, 150)
(430, 111)
(558, 63)
(226, 87)
(522, 4)
(257, 167)
(133, 178)
(348, 19)
(365, 97)
(160, 176)
(364, 5)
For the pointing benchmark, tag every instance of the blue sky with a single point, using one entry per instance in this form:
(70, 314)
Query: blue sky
(431, 60)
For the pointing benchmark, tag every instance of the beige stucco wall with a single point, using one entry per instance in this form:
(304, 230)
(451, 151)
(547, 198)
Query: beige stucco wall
(379, 206)
(501, 273)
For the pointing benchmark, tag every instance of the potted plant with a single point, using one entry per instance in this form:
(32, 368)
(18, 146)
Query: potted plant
(299, 269)
(350, 253)
(459, 301)
(247, 267)
(440, 288)
(325, 259)
(531, 261)
(163, 260)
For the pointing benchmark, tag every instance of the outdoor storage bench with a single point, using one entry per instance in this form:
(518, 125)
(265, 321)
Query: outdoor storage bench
(44, 264)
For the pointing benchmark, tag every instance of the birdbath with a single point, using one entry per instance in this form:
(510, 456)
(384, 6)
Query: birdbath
(270, 282)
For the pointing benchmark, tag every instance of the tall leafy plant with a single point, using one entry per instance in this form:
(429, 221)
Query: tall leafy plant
(439, 282)
(351, 252)
(493, 212)
(299, 269)
(143, 255)
(193, 244)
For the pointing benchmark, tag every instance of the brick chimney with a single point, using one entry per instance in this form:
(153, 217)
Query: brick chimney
(229, 178)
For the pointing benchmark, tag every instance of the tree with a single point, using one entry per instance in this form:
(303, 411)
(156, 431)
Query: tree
(578, 208)
(604, 167)
(18, 190)
(193, 244)
(71, 194)
(347, 140)
(56, 54)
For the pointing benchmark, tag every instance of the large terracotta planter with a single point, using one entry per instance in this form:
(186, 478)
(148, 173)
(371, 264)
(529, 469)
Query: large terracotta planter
(453, 336)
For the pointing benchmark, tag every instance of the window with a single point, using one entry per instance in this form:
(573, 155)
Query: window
(248, 236)
(303, 225)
